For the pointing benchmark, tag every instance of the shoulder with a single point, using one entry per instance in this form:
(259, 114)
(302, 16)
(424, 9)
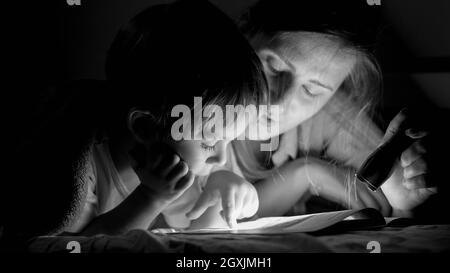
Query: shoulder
(53, 160)
(51, 179)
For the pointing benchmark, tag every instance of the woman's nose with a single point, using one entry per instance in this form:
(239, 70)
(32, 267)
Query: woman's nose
(219, 157)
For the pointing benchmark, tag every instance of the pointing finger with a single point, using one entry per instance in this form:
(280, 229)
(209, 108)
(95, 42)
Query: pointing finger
(206, 200)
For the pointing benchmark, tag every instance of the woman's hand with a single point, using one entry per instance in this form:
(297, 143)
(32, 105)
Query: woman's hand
(238, 197)
(163, 175)
(409, 186)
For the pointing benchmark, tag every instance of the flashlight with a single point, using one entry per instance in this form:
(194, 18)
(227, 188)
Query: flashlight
(380, 164)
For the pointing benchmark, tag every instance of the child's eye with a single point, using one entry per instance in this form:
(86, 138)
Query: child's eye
(207, 147)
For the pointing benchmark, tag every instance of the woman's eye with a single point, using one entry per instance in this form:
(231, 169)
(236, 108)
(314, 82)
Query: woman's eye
(271, 67)
(207, 147)
(310, 92)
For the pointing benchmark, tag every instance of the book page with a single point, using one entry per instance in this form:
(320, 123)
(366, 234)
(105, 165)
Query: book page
(400, 221)
(285, 224)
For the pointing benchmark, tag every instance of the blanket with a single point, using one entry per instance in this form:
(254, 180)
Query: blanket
(411, 239)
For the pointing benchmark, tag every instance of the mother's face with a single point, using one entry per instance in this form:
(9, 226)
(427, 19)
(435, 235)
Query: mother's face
(304, 73)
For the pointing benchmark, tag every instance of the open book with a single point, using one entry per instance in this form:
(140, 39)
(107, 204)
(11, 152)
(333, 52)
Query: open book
(343, 220)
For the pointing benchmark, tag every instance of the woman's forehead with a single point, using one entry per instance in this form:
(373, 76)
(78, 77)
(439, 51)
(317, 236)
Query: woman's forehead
(307, 46)
(322, 60)
(315, 54)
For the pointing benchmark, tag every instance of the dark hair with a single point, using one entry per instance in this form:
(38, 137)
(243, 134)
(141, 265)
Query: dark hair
(170, 53)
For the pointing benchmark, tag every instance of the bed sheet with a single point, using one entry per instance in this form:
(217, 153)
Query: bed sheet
(412, 239)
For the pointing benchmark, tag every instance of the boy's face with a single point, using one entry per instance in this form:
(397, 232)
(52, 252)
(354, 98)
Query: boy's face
(202, 154)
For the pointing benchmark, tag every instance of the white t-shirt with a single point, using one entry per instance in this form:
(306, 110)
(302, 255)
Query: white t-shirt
(106, 190)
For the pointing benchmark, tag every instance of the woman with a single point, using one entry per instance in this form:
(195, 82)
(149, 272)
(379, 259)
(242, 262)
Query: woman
(326, 82)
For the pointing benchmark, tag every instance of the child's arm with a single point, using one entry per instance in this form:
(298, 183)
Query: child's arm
(163, 179)
(226, 198)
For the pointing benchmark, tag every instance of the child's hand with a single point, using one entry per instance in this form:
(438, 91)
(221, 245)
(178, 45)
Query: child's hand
(239, 197)
(409, 187)
(163, 175)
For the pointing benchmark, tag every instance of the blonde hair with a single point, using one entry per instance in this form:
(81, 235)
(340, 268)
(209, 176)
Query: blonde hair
(357, 96)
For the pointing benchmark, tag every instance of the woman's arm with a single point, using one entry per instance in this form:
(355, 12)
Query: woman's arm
(409, 185)
(287, 184)
(347, 136)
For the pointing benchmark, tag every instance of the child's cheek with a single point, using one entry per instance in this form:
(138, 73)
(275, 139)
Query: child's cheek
(199, 167)
(195, 157)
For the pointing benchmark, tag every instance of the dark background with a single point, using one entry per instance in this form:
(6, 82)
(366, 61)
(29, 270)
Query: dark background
(50, 43)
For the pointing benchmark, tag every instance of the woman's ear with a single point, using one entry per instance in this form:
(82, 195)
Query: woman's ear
(272, 62)
(142, 125)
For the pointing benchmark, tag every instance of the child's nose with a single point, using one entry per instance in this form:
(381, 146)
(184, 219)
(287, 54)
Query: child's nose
(220, 157)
